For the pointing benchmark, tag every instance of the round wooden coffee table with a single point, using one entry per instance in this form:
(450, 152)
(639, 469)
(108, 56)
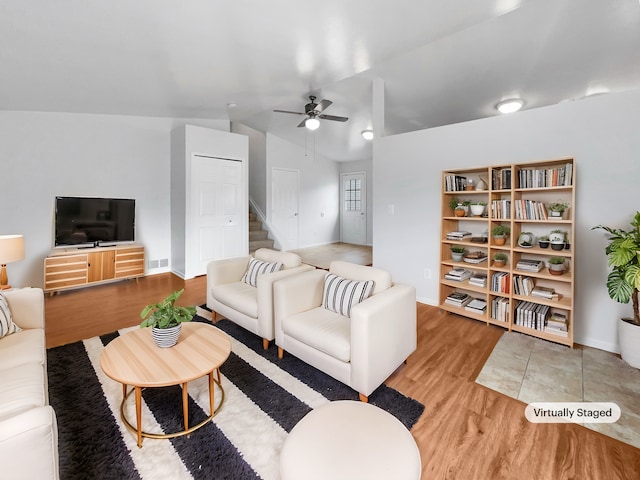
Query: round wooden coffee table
(133, 359)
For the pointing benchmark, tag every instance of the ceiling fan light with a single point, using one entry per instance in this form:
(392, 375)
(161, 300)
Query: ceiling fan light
(367, 134)
(510, 105)
(312, 123)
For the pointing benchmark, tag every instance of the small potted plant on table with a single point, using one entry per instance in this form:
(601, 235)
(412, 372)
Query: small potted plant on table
(165, 319)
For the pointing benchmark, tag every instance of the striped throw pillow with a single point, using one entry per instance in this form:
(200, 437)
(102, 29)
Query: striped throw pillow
(341, 294)
(7, 327)
(257, 268)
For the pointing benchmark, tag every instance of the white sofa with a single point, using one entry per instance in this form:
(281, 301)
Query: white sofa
(248, 306)
(360, 350)
(28, 428)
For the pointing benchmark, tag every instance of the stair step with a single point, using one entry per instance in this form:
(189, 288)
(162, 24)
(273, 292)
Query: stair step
(257, 235)
(255, 226)
(252, 217)
(256, 244)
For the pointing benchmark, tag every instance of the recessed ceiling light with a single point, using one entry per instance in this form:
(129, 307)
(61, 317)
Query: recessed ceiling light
(510, 105)
(232, 105)
(367, 134)
(312, 123)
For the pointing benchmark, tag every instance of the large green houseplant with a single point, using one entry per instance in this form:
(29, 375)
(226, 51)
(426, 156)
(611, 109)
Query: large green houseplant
(623, 282)
(167, 316)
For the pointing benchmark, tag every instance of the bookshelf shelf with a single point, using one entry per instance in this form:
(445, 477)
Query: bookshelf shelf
(517, 196)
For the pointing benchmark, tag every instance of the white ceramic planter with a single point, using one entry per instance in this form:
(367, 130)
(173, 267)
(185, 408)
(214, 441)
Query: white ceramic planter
(166, 337)
(477, 210)
(629, 338)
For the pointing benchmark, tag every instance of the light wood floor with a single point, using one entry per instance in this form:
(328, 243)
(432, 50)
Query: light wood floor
(322, 255)
(466, 432)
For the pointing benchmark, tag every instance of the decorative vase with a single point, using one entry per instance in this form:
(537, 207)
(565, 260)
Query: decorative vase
(477, 210)
(166, 337)
(456, 257)
(482, 184)
(629, 338)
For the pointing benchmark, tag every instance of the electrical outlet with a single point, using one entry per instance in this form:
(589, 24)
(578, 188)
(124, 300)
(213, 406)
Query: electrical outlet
(427, 274)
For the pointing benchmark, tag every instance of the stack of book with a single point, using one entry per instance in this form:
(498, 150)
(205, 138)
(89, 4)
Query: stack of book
(458, 299)
(455, 183)
(523, 285)
(545, 292)
(557, 324)
(530, 265)
(500, 282)
(476, 305)
(458, 274)
(458, 235)
(532, 315)
(475, 257)
(478, 279)
(500, 309)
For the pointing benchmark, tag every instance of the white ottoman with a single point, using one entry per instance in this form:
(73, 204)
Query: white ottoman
(349, 440)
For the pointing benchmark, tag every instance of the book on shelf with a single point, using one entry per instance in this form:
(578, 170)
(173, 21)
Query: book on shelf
(523, 285)
(545, 292)
(458, 274)
(532, 315)
(500, 309)
(546, 177)
(500, 282)
(530, 265)
(458, 235)
(455, 183)
(478, 279)
(458, 299)
(530, 210)
(476, 305)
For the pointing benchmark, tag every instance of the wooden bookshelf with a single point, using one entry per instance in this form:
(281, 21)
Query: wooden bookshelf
(516, 196)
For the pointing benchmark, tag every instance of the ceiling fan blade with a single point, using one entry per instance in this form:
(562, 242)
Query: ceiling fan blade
(333, 117)
(287, 111)
(301, 124)
(323, 105)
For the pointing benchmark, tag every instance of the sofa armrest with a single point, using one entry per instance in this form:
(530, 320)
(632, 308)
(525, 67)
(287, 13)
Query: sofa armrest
(296, 294)
(383, 335)
(265, 285)
(224, 271)
(27, 307)
(29, 445)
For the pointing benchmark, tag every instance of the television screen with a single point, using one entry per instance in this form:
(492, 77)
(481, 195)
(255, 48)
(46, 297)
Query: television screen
(82, 220)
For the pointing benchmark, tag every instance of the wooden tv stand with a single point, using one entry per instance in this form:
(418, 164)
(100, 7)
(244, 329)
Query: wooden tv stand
(76, 267)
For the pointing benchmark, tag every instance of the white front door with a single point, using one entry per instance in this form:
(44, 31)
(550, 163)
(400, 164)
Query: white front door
(354, 208)
(216, 209)
(284, 206)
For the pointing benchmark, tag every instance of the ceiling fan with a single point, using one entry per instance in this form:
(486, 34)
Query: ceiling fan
(313, 112)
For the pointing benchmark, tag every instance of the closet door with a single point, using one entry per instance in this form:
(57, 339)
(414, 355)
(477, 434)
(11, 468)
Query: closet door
(216, 218)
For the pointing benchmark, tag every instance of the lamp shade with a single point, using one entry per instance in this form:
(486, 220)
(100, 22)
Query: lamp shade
(312, 123)
(11, 248)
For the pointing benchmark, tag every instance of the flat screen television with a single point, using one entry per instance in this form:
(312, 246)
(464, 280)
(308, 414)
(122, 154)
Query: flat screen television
(94, 221)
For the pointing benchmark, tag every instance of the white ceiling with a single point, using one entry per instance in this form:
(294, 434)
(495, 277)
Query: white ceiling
(440, 61)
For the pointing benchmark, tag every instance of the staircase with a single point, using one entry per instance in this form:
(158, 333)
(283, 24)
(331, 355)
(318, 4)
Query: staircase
(257, 236)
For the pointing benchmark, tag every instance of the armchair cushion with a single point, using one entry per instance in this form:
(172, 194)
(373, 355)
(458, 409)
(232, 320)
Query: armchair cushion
(340, 294)
(259, 267)
(323, 330)
(240, 296)
(7, 327)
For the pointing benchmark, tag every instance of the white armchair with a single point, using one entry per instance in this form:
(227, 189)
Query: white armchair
(248, 306)
(361, 350)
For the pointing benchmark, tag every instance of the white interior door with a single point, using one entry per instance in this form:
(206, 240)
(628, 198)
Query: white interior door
(354, 208)
(216, 210)
(284, 206)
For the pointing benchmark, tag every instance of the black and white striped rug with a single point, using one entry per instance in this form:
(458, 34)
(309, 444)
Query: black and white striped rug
(264, 398)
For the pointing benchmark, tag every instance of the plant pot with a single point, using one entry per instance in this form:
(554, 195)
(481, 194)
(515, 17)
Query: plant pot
(457, 257)
(166, 337)
(556, 237)
(543, 244)
(477, 210)
(567, 246)
(557, 246)
(557, 269)
(629, 338)
(499, 263)
(499, 239)
(459, 212)
(555, 214)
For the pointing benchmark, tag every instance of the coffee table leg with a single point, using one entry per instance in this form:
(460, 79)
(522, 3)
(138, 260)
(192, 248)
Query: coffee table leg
(211, 394)
(185, 406)
(139, 415)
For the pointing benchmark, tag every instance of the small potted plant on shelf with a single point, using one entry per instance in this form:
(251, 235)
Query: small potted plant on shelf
(543, 242)
(623, 283)
(556, 238)
(456, 205)
(556, 209)
(165, 319)
(500, 259)
(557, 265)
(499, 234)
(457, 252)
(477, 208)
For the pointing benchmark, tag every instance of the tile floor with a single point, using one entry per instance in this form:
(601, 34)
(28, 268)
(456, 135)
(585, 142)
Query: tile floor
(534, 370)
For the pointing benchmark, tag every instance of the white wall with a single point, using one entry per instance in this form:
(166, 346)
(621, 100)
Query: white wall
(257, 164)
(319, 191)
(601, 133)
(47, 154)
